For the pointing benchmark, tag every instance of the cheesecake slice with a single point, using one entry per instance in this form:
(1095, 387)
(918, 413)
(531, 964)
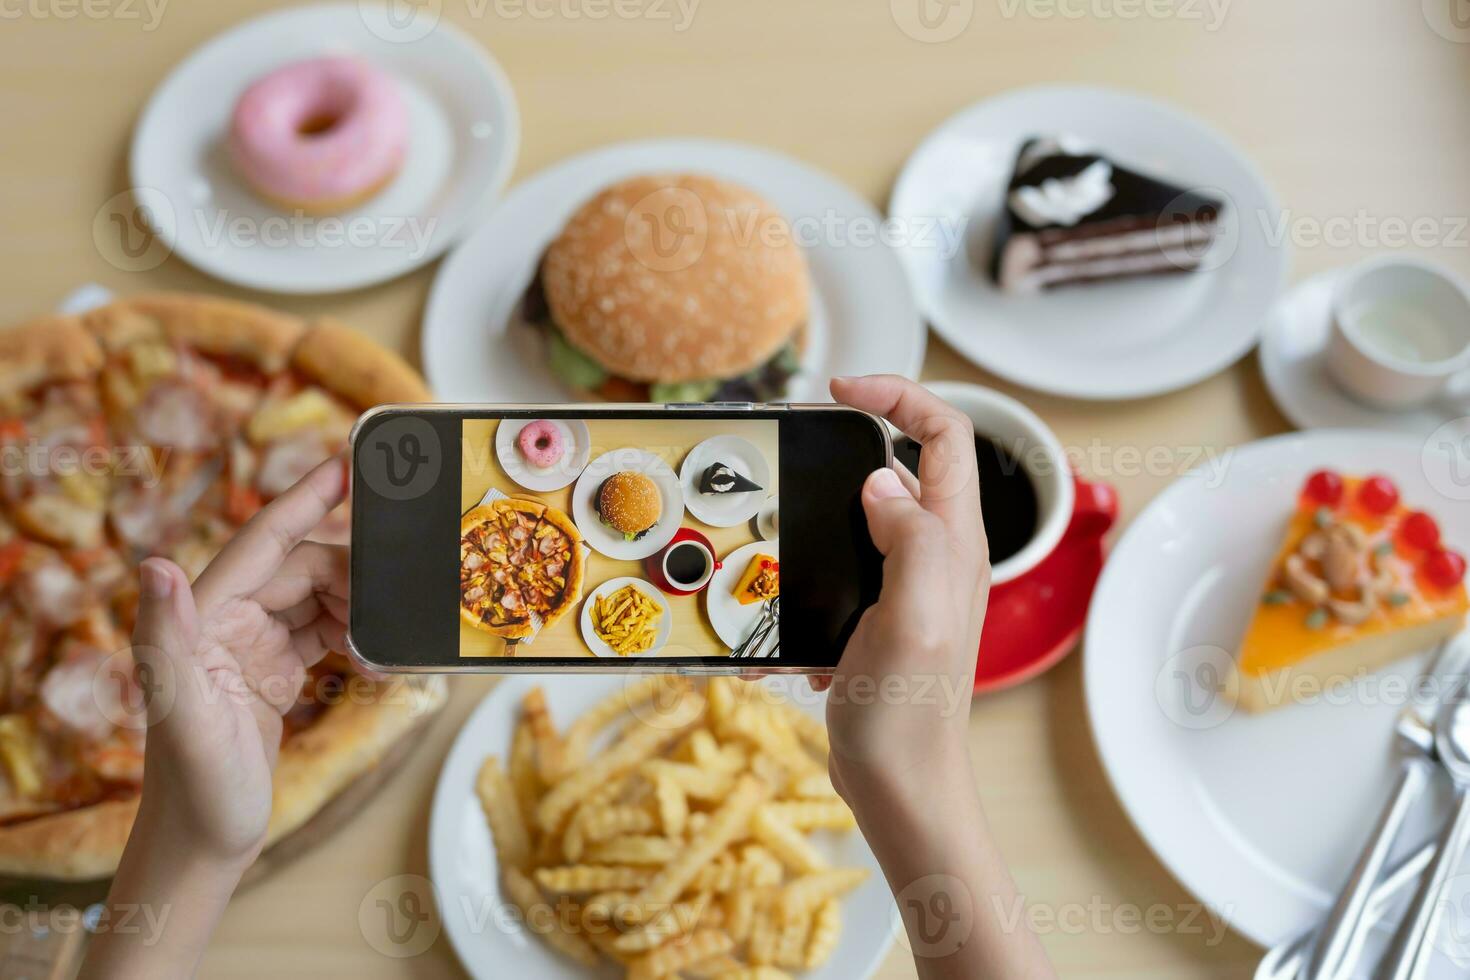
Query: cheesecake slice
(1073, 215)
(1360, 581)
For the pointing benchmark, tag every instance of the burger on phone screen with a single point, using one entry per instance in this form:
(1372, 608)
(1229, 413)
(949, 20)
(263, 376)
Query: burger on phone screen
(680, 288)
(629, 503)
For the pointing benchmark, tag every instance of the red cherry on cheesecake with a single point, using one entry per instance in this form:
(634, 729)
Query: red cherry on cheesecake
(1420, 531)
(1323, 487)
(1445, 569)
(1378, 495)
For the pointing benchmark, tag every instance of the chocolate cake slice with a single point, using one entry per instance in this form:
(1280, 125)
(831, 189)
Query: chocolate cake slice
(1074, 216)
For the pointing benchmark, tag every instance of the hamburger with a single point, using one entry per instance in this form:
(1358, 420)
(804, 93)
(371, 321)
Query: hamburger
(629, 503)
(680, 288)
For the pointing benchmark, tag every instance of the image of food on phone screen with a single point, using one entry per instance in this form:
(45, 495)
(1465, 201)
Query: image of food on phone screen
(619, 537)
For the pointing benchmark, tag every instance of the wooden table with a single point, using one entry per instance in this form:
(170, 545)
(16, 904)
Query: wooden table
(1355, 112)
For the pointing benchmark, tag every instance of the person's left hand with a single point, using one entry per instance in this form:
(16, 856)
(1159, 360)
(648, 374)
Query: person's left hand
(224, 661)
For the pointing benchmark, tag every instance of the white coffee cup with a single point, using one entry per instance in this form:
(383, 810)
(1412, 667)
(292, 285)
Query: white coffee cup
(1022, 433)
(1400, 332)
(710, 564)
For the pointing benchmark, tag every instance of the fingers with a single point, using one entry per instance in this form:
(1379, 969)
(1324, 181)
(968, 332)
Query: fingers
(166, 630)
(312, 569)
(316, 639)
(254, 555)
(948, 483)
(894, 516)
(906, 476)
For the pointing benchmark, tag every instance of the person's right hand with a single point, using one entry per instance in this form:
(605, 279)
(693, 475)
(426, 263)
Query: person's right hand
(899, 707)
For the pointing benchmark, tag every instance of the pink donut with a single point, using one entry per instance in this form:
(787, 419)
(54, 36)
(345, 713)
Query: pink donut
(319, 135)
(541, 443)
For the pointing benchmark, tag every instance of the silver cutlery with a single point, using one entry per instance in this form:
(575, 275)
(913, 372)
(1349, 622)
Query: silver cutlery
(1286, 958)
(1339, 941)
(765, 639)
(1412, 949)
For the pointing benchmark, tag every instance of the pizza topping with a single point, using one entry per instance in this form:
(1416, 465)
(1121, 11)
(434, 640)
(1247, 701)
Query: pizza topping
(284, 463)
(309, 409)
(69, 694)
(51, 592)
(20, 752)
(60, 520)
(176, 416)
(137, 515)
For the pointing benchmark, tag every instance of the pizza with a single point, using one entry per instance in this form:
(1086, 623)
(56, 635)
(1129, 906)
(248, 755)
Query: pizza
(158, 425)
(519, 561)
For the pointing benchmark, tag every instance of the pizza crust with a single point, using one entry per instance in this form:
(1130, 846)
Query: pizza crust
(45, 350)
(222, 327)
(356, 368)
(348, 740)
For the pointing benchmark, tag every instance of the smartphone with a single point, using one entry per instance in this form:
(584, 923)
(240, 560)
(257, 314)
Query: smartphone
(695, 538)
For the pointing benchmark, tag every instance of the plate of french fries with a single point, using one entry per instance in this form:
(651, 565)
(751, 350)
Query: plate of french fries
(652, 827)
(625, 617)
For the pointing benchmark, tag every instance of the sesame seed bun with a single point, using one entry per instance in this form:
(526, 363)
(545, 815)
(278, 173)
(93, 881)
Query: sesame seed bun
(667, 279)
(630, 502)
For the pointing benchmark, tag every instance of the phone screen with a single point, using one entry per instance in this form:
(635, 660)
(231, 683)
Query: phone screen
(608, 540)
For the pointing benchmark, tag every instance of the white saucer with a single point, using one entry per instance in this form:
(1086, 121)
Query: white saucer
(724, 509)
(595, 643)
(604, 539)
(475, 347)
(1294, 362)
(1260, 816)
(465, 132)
(1126, 339)
(732, 621)
(465, 873)
(577, 449)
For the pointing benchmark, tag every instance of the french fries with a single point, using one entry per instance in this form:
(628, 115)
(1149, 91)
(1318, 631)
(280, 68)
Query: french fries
(679, 849)
(627, 620)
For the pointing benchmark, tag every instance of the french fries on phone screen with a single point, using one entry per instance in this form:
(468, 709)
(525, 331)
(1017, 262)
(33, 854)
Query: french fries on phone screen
(681, 848)
(626, 620)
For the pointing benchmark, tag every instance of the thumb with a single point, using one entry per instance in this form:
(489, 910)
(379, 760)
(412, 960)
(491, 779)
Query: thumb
(892, 511)
(165, 634)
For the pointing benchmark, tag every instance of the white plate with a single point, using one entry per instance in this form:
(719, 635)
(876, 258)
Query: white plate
(1294, 362)
(732, 621)
(464, 135)
(492, 944)
(1124, 339)
(725, 509)
(603, 538)
(595, 642)
(576, 442)
(1261, 816)
(475, 348)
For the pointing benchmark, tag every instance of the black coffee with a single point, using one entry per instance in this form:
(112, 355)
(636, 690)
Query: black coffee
(686, 563)
(1007, 495)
